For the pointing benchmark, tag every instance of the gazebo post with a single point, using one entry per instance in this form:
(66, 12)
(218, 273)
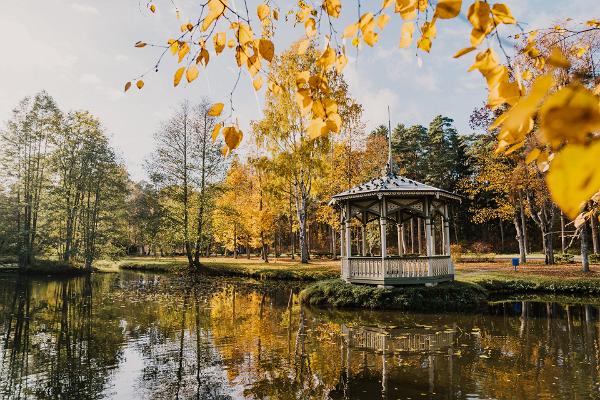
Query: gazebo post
(363, 234)
(432, 228)
(348, 242)
(447, 239)
(400, 231)
(428, 242)
(382, 223)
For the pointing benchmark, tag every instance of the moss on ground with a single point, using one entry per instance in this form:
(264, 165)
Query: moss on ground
(448, 296)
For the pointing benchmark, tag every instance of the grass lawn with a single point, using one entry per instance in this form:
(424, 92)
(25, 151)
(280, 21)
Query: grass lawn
(282, 268)
(534, 277)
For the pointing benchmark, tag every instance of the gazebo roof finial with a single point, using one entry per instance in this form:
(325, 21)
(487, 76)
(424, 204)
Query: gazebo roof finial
(390, 168)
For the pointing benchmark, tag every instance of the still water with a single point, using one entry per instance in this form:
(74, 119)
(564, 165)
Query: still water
(136, 336)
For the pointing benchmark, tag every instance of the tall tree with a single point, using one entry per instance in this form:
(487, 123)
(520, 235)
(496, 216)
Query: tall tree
(26, 144)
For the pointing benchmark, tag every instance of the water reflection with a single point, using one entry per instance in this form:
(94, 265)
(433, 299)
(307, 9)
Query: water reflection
(144, 336)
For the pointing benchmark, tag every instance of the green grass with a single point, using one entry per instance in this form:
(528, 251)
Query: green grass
(448, 296)
(280, 270)
(503, 283)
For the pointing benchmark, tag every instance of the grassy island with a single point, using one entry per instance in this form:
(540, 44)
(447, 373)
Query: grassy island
(449, 296)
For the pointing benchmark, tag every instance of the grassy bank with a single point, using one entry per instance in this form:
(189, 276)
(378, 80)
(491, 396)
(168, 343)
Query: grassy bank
(281, 269)
(52, 267)
(509, 283)
(450, 296)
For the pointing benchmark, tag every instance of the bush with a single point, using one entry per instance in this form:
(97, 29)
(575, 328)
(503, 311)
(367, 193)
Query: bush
(456, 251)
(594, 258)
(481, 248)
(565, 258)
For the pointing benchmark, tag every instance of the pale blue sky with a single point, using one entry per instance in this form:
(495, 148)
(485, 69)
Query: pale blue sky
(81, 52)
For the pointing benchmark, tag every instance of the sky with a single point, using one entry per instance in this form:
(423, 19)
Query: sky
(82, 53)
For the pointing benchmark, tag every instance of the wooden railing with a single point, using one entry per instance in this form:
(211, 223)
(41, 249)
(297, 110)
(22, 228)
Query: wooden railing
(396, 267)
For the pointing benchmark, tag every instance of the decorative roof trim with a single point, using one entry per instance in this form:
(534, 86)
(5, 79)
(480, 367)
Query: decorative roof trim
(397, 193)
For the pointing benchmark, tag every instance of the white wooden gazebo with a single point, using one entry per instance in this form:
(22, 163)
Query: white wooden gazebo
(419, 213)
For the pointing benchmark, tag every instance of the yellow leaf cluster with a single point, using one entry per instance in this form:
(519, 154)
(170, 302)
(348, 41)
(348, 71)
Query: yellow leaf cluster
(574, 177)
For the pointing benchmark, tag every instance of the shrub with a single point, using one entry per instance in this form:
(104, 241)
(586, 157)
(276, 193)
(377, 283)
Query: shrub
(456, 251)
(481, 248)
(565, 258)
(594, 258)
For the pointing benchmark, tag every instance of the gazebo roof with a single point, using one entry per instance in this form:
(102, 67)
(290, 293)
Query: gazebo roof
(393, 185)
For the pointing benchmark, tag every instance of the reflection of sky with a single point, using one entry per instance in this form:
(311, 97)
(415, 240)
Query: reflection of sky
(82, 52)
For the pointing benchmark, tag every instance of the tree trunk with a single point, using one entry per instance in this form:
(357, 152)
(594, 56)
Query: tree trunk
(563, 239)
(549, 248)
(235, 241)
(520, 240)
(594, 233)
(523, 222)
(585, 261)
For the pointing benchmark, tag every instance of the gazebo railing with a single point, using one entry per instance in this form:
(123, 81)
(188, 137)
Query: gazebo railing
(396, 267)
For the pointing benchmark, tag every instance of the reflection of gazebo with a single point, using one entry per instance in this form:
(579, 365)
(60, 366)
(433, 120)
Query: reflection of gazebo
(418, 212)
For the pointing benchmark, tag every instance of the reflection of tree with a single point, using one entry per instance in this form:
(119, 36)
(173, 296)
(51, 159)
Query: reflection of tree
(57, 346)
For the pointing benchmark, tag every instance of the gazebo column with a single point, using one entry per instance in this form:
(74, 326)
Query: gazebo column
(400, 231)
(363, 234)
(432, 219)
(428, 237)
(348, 234)
(447, 239)
(382, 224)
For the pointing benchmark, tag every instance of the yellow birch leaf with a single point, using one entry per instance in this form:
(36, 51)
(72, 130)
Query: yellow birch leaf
(333, 7)
(184, 49)
(462, 52)
(257, 83)
(127, 86)
(191, 73)
(350, 30)
(370, 38)
(406, 34)
(327, 58)
(219, 40)
(233, 137)
(140, 44)
(203, 57)
(215, 110)
(526, 75)
(266, 49)
(276, 14)
(570, 114)
(502, 14)
(310, 26)
(215, 132)
(383, 20)
(139, 84)
(263, 11)
(558, 59)
(574, 177)
(178, 75)
(334, 122)
(340, 63)
(387, 3)
(316, 128)
(153, 8)
(447, 9)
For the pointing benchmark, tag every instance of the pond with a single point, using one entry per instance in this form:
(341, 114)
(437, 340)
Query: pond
(137, 336)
